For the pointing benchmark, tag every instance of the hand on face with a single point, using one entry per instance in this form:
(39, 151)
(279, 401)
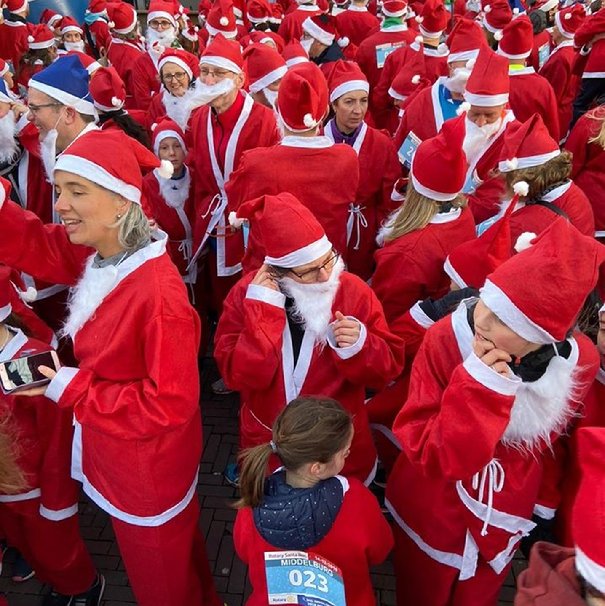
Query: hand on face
(265, 278)
(491, 356)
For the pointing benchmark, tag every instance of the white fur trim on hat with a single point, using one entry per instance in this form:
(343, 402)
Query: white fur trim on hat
(268, 79)
(221, 62)
(486, 100)
(178, 61)
(500, 304)
(97, 174)
(347, 87)
(453, 274)
(524, 241)
(71, 28)
(229, 34)
(510, 56)
(395, 95)
(39, 45)
(295, 61)
(5, 312)
(467, 56)
(400, 13)
(590, 571)
(81, 105)
(317, 32)
(548, 5)
(166, 134)
(431, 193)
(428, 34)
(302, 256)
(506, 166)
(521, 188)
(159, 15)
(110, 108)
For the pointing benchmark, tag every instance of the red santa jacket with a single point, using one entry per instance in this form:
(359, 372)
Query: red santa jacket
(254, 353)
(378, 171)
(540, 50)
(290, 28)
(13, 40)
(100, 33)
(327, 185)
(123, 56)
(43, 435)
(255, 127)
(134, 402)
(355, 23)
(588, 168)
(472, 444)
(359, 538)
(410, 268)
(373, 51)
(145, 80)
(435, 60)
(531, 93)
(558, 70)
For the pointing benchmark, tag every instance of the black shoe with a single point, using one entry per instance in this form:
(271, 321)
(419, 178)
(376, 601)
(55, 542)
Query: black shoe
(22, 571)
(93, 596)
(57, 599)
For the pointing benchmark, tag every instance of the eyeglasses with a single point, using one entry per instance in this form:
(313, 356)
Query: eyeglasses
(179, 77)
(218, 74)
(36, 108)
(313, 274)
(154, 24)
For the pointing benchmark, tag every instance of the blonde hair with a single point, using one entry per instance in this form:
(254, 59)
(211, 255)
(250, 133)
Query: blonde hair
(416, 212)
(133, 228)
(540, 178)
(11, 477)
(598, 114)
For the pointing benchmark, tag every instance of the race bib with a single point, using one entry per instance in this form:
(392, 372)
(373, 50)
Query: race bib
(383, 51)
(408, 149)
(543, 54)
(298, 577)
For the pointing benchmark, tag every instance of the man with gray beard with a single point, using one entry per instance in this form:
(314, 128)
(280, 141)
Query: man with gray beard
(302, 325)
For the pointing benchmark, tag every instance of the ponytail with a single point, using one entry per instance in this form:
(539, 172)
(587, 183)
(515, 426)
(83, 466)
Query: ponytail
(253, 470)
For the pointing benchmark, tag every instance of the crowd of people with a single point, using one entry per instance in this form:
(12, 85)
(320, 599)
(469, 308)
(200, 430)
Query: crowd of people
(383, 218)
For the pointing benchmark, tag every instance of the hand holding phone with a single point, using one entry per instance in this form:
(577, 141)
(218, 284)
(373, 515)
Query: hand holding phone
(29, 375)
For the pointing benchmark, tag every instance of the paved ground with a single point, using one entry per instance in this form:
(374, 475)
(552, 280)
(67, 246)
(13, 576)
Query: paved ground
(220, 432)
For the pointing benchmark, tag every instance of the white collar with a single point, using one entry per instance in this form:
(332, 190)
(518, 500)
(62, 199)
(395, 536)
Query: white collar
(556, 193)
(394, 28)
(319, 142)
(307, 7)
(448, 217)
(14, 346)
(357, 9)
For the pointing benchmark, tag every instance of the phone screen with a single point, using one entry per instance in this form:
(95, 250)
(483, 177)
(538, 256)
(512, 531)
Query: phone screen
(24, 371)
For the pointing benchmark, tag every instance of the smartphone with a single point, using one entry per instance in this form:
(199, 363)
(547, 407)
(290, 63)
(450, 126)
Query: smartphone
(22, 373)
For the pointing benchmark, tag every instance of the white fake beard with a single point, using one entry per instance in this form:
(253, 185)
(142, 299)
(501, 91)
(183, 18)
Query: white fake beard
(74, 46)
(456, 83)
(178, 108)
(271, 96)
(175, 191)
(313, 302)
(85, 298)
(48, 153)
(205, 93)
(307, 43)
(8, 143)
(165, 38)
(477, 138)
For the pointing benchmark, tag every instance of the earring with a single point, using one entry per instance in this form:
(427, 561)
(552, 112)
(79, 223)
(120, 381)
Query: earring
(119, 217)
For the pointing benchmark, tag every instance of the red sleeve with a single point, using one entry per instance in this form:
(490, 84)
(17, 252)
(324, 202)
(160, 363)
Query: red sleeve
(391, 171)
(140, 88)
(237, 187)
(577, 144)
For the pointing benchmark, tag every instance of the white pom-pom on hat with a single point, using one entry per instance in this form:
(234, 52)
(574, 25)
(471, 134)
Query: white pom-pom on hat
(30, 38)
(166, 169)
(416, 79)
(498, 35)
(111, 25)
(524, 241)
(418, 39)
(567, 16)
(116, 102)
(343, 42)
(512, 164)
(521, 188)
(154, 126)
(488, 9)
(419, 19)
(516, 12)
(464, 107)
(29, 295)
(235, 221)
(224, 21)
(309, 121)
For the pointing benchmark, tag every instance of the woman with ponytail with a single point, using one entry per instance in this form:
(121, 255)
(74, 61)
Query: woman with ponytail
(305, 506)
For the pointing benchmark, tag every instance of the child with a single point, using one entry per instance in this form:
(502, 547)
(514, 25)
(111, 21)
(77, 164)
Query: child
(305, 506)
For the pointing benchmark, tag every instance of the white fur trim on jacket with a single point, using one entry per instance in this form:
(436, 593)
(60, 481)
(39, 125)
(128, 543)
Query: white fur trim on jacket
(345, 353)
(590, 571)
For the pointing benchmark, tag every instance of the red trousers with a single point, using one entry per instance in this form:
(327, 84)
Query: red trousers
(55, 550)
(168, 564)
(422, 581)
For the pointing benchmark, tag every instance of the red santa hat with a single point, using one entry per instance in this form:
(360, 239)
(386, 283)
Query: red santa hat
(191, 32)
(264, 65)
(4, 67)
(471, 262)
(497, 14)
(97, 7)
(559, 270)
(439, 165)
(588, 514)
(568, 20)
(302, 102)
(593, 26)
(465, 40)
(224, 54)
(277, 14)
(221, 19)
(107, 90)
(50, 17)
(274, 40)
(433, 19)
(394, 8)
(40, 36)
(546, 5)
(526, 145)
(68, 24)
(488, 84)
(289, 231)
(165, 129)
(344, 77)
(90, 64)
(411, 77)
(258, 11)
(322, 28)
(294, 54)
(517, 38)
(16, 6)
(93, 156)
(161, 9)
(123, 17)
(186, 61)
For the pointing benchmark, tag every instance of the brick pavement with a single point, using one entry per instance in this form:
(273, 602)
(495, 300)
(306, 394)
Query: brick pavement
(220, 434)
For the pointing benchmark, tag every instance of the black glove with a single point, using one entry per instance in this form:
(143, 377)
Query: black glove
(544, 531)
(439, 308)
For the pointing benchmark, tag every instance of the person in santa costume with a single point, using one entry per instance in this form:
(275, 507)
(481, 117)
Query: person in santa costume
(533, 165)
(542, 38)
(356, 22)
(302, 325)
(529, 92)
(161, 33)
(328, 177)
(378, 165)
(586, 143)
(432, 220)
(219, 133)
(326, 46)
(41, 519)
(307, 506)
(492, 387)
(486, 118)
(133, 409)
(294, 54)
(42, 51)
(71, 35)
(125, 48)
(169, 202)
(265, 68)
(393, 33)
(53, 20)
(425, 115)
(221, 20)
(14, 32)
(178, 71)
(10, 151)
(96, 28)
(6, 74)
(496, 15)
(290, 28)
(573, 576)
(558, 69)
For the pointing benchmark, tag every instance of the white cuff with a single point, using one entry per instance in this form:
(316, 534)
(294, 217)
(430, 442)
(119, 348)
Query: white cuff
(266, 295)
(21, 123)
(62, 379)
(56, 515)
(489, 378)
(419, 316)
(546, 513)
(348, 352)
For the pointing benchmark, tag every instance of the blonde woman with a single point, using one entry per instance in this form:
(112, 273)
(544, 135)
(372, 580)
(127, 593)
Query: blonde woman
(432, 220)
(587, 144)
